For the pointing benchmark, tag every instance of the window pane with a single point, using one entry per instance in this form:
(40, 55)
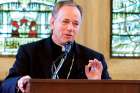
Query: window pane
(23, 21)
(125, 34)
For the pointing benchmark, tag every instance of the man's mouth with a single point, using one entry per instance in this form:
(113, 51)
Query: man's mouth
(68, 35)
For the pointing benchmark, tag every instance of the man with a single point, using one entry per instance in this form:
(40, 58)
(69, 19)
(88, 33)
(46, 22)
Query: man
(43, 58)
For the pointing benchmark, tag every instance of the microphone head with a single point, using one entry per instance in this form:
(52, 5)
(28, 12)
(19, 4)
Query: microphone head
(67, 47)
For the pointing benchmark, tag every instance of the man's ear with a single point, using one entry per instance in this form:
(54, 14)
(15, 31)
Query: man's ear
(52, 22)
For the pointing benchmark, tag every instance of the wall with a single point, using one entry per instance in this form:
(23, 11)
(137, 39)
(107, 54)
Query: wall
(97, 29)
(95, 33)
(5, 64)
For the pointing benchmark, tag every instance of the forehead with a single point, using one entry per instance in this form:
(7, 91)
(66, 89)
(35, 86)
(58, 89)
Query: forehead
(69, 11)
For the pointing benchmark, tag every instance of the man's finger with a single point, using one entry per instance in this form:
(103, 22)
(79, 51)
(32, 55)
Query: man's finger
(86, 69)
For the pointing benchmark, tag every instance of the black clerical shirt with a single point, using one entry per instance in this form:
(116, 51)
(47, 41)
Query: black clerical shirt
(65, 70)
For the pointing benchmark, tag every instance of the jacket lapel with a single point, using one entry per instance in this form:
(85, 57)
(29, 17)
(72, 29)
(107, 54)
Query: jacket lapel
(46, 59)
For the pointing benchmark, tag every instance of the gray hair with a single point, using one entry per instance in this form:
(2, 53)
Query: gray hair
(62, 3)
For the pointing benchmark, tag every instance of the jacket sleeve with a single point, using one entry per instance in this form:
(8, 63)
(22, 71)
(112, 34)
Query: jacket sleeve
(18, 70)
(105, 74)
(9, 85)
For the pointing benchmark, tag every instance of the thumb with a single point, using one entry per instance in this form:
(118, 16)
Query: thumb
(86, 69)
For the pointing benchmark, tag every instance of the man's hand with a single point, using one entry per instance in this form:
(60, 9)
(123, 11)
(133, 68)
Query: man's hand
(94, 69)
(24, 84)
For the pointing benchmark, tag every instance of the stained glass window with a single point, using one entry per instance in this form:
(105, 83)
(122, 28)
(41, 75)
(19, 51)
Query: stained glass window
(23, 21)
(125, 35)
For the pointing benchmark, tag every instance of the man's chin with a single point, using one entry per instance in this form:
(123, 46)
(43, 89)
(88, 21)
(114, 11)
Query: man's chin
(68, 40)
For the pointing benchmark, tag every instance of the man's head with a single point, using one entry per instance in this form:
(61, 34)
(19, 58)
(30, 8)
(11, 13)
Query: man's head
(65, 22)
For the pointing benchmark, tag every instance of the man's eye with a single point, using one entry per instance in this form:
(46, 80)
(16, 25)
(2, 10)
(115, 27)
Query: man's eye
(65, 22)
(76, 24)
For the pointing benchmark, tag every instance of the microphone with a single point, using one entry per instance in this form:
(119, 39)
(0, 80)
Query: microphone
(66, 49)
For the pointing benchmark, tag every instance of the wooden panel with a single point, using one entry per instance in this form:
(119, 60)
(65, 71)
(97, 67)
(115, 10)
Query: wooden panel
(84, 86)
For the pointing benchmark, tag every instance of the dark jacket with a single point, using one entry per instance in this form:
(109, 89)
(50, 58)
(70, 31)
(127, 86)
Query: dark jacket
(35, 60)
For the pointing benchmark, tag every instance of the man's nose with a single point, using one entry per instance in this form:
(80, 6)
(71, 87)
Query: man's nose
(70, 26)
